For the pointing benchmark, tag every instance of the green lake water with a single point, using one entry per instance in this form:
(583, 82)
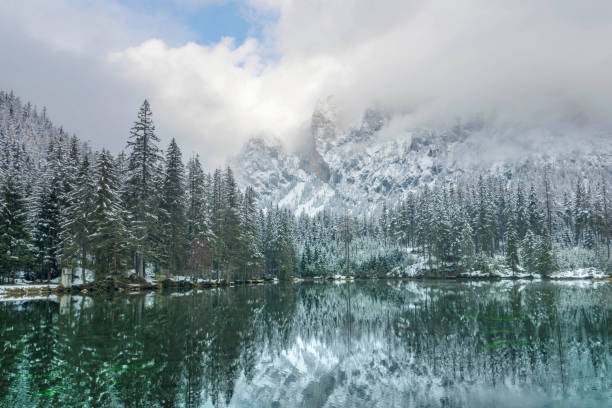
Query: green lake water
(360, 344)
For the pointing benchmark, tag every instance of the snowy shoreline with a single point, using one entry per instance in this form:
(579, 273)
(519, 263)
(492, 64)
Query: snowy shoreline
(37, 290)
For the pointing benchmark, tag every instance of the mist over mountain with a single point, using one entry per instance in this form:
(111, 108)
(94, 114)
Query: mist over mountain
(381, 157)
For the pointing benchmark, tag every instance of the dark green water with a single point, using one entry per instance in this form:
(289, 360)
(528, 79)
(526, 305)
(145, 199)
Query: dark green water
(363, 344)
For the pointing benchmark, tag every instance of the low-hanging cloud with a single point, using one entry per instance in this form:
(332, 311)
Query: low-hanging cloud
(529, 61)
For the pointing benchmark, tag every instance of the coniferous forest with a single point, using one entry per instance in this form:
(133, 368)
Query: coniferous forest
(149, 210)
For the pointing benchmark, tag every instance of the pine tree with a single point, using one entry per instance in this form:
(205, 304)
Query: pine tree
(216, 219)
(173, 206)
(196, 205)
(48, 216)
(143, 169)
(529, 251)
(77, 218)
(108, 232)
(384, 223)
(199, 233)
(287, 260)
(15, 253)
(535, 217)
(251, 255)
(512, 241)
(231, 234)
(568, 221)
(522, 217)
(545, 262)
(580, 213)
(606, 215)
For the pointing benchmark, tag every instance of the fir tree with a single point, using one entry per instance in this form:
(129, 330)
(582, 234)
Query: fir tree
(173, 206)
(48, 216)
(143, 169)
(251, 255)
(77, 224)
(15, 253)
(199, 233)
(544, 256)
(108, 232)
(529, 251)
(512, 244)
(231, 234)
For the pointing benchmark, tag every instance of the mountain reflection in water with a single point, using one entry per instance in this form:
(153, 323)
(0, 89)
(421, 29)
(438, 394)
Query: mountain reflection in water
(360, 344)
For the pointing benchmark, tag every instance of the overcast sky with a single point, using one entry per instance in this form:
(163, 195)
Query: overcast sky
(219, 72)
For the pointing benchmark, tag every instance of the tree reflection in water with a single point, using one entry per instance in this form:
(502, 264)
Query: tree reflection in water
(365, 344)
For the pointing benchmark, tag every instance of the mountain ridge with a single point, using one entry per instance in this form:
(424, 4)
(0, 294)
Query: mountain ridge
(371, 162)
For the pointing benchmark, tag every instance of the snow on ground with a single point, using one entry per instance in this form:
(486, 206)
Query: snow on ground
(582, 273)
(180, 278)
(23, 299)
(77, 278)
(504, 273)
(25, 286)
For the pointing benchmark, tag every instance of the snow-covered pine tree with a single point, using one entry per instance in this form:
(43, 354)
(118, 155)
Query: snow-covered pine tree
(287, 261)
(231, 233)
(15, 251)
(108, 234)
(606, 214)
(529, 251)
(512, 244)
(48, 221)
(580, 213)
(199, 233)
(251, 256)
(536, 219)
(196, 205)
(173, 210)
(271, 244)
(522, 215)
(216, 212)
(143, 168)
(77, 218)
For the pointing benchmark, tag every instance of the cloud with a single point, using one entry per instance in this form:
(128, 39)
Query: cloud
(422, 60)
(219, 96)
(53, 54)
(536, 61)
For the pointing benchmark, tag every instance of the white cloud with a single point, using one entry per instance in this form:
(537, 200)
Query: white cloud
(53, 54)
(218, 96)
(421, 60)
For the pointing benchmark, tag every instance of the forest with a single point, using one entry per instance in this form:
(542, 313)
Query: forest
(144, 208)
(145, 212)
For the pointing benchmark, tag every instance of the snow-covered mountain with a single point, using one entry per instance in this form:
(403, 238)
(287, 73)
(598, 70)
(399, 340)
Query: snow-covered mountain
(378, 159)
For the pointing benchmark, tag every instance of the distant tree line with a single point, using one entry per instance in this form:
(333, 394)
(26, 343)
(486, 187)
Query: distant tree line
(453, 228)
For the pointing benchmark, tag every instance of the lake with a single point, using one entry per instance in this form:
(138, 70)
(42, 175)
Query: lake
(359, 344)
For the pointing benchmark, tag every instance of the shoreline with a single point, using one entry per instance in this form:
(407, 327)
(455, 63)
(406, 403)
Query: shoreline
(112, 286)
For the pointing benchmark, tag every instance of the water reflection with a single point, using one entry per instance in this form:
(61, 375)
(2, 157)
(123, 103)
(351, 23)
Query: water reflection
(308, 345)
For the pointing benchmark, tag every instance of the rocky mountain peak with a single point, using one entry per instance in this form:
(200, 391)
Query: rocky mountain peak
(354, 168)
(323, 124)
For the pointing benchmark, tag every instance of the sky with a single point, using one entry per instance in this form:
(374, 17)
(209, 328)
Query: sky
(218, 72)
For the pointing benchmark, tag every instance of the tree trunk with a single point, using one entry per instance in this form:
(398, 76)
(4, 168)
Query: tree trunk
(139, 265)
(83, 261)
